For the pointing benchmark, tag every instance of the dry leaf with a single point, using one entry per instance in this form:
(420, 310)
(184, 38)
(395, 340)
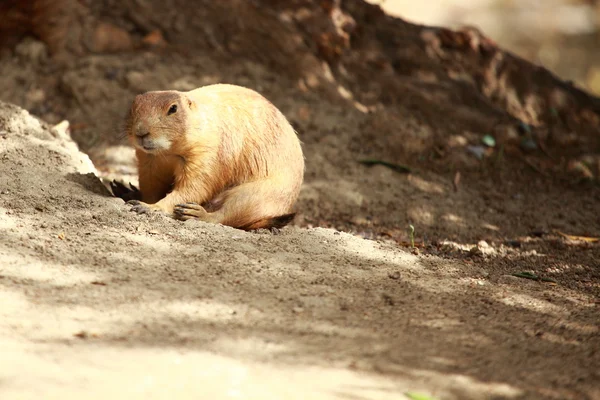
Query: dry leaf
(578, 238)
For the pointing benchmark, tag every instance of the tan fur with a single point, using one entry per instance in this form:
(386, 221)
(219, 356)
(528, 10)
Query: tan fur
(226, 148)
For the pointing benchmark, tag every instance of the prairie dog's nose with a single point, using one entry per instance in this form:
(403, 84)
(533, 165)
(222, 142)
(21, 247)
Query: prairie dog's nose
(141, 131)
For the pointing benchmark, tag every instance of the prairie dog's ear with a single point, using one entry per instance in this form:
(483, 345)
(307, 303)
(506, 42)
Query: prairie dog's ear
(190, 103)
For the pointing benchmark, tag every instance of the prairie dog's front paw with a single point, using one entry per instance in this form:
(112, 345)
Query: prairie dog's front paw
(142, 208)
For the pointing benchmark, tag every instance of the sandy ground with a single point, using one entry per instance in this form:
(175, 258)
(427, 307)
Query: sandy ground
(97, 301)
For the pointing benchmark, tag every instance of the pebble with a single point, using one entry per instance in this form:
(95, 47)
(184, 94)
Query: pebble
(394, 275)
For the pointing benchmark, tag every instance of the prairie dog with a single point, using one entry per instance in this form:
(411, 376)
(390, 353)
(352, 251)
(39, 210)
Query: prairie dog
(221, 153)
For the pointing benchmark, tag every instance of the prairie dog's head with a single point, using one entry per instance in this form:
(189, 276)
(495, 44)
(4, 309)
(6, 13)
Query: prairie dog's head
(158, 119)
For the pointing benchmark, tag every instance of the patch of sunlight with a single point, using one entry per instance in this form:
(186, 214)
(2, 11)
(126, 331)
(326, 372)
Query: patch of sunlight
(560, 268)
(371, 250)
(553, 338)
(583, 328)
(456, 246)
(446, 362)
(6, 222)
(530, 303)
(81, 162)
(12, 302)
(35, 318)
(425, 186)
(6, 145)
(437, 323)
(24, 267)
(144, 372)
(122, 257)
(490, 227)
(345, 93)
(457, 141)
(142, 239)
(453, 219)
(448, 385)
(202, 309)
(153, 371)
(468, 387)
(362, 108)
(248, 346)
(420, 215)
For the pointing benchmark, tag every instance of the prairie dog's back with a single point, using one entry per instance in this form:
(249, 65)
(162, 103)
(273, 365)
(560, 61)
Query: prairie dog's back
(256, 138)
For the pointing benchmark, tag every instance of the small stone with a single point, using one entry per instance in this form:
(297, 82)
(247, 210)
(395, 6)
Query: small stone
(483, 244)
(298, 310)
(81, 335)
(394, 275)
(477, 151)
(475, 251)
(32, 50)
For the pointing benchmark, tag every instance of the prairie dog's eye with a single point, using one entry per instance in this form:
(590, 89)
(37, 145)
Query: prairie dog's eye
(172, 109)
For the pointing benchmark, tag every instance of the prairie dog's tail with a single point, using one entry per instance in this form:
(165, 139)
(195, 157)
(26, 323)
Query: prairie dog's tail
(268, 223)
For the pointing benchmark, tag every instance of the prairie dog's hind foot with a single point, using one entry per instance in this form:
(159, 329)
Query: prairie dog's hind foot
(186, 211)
